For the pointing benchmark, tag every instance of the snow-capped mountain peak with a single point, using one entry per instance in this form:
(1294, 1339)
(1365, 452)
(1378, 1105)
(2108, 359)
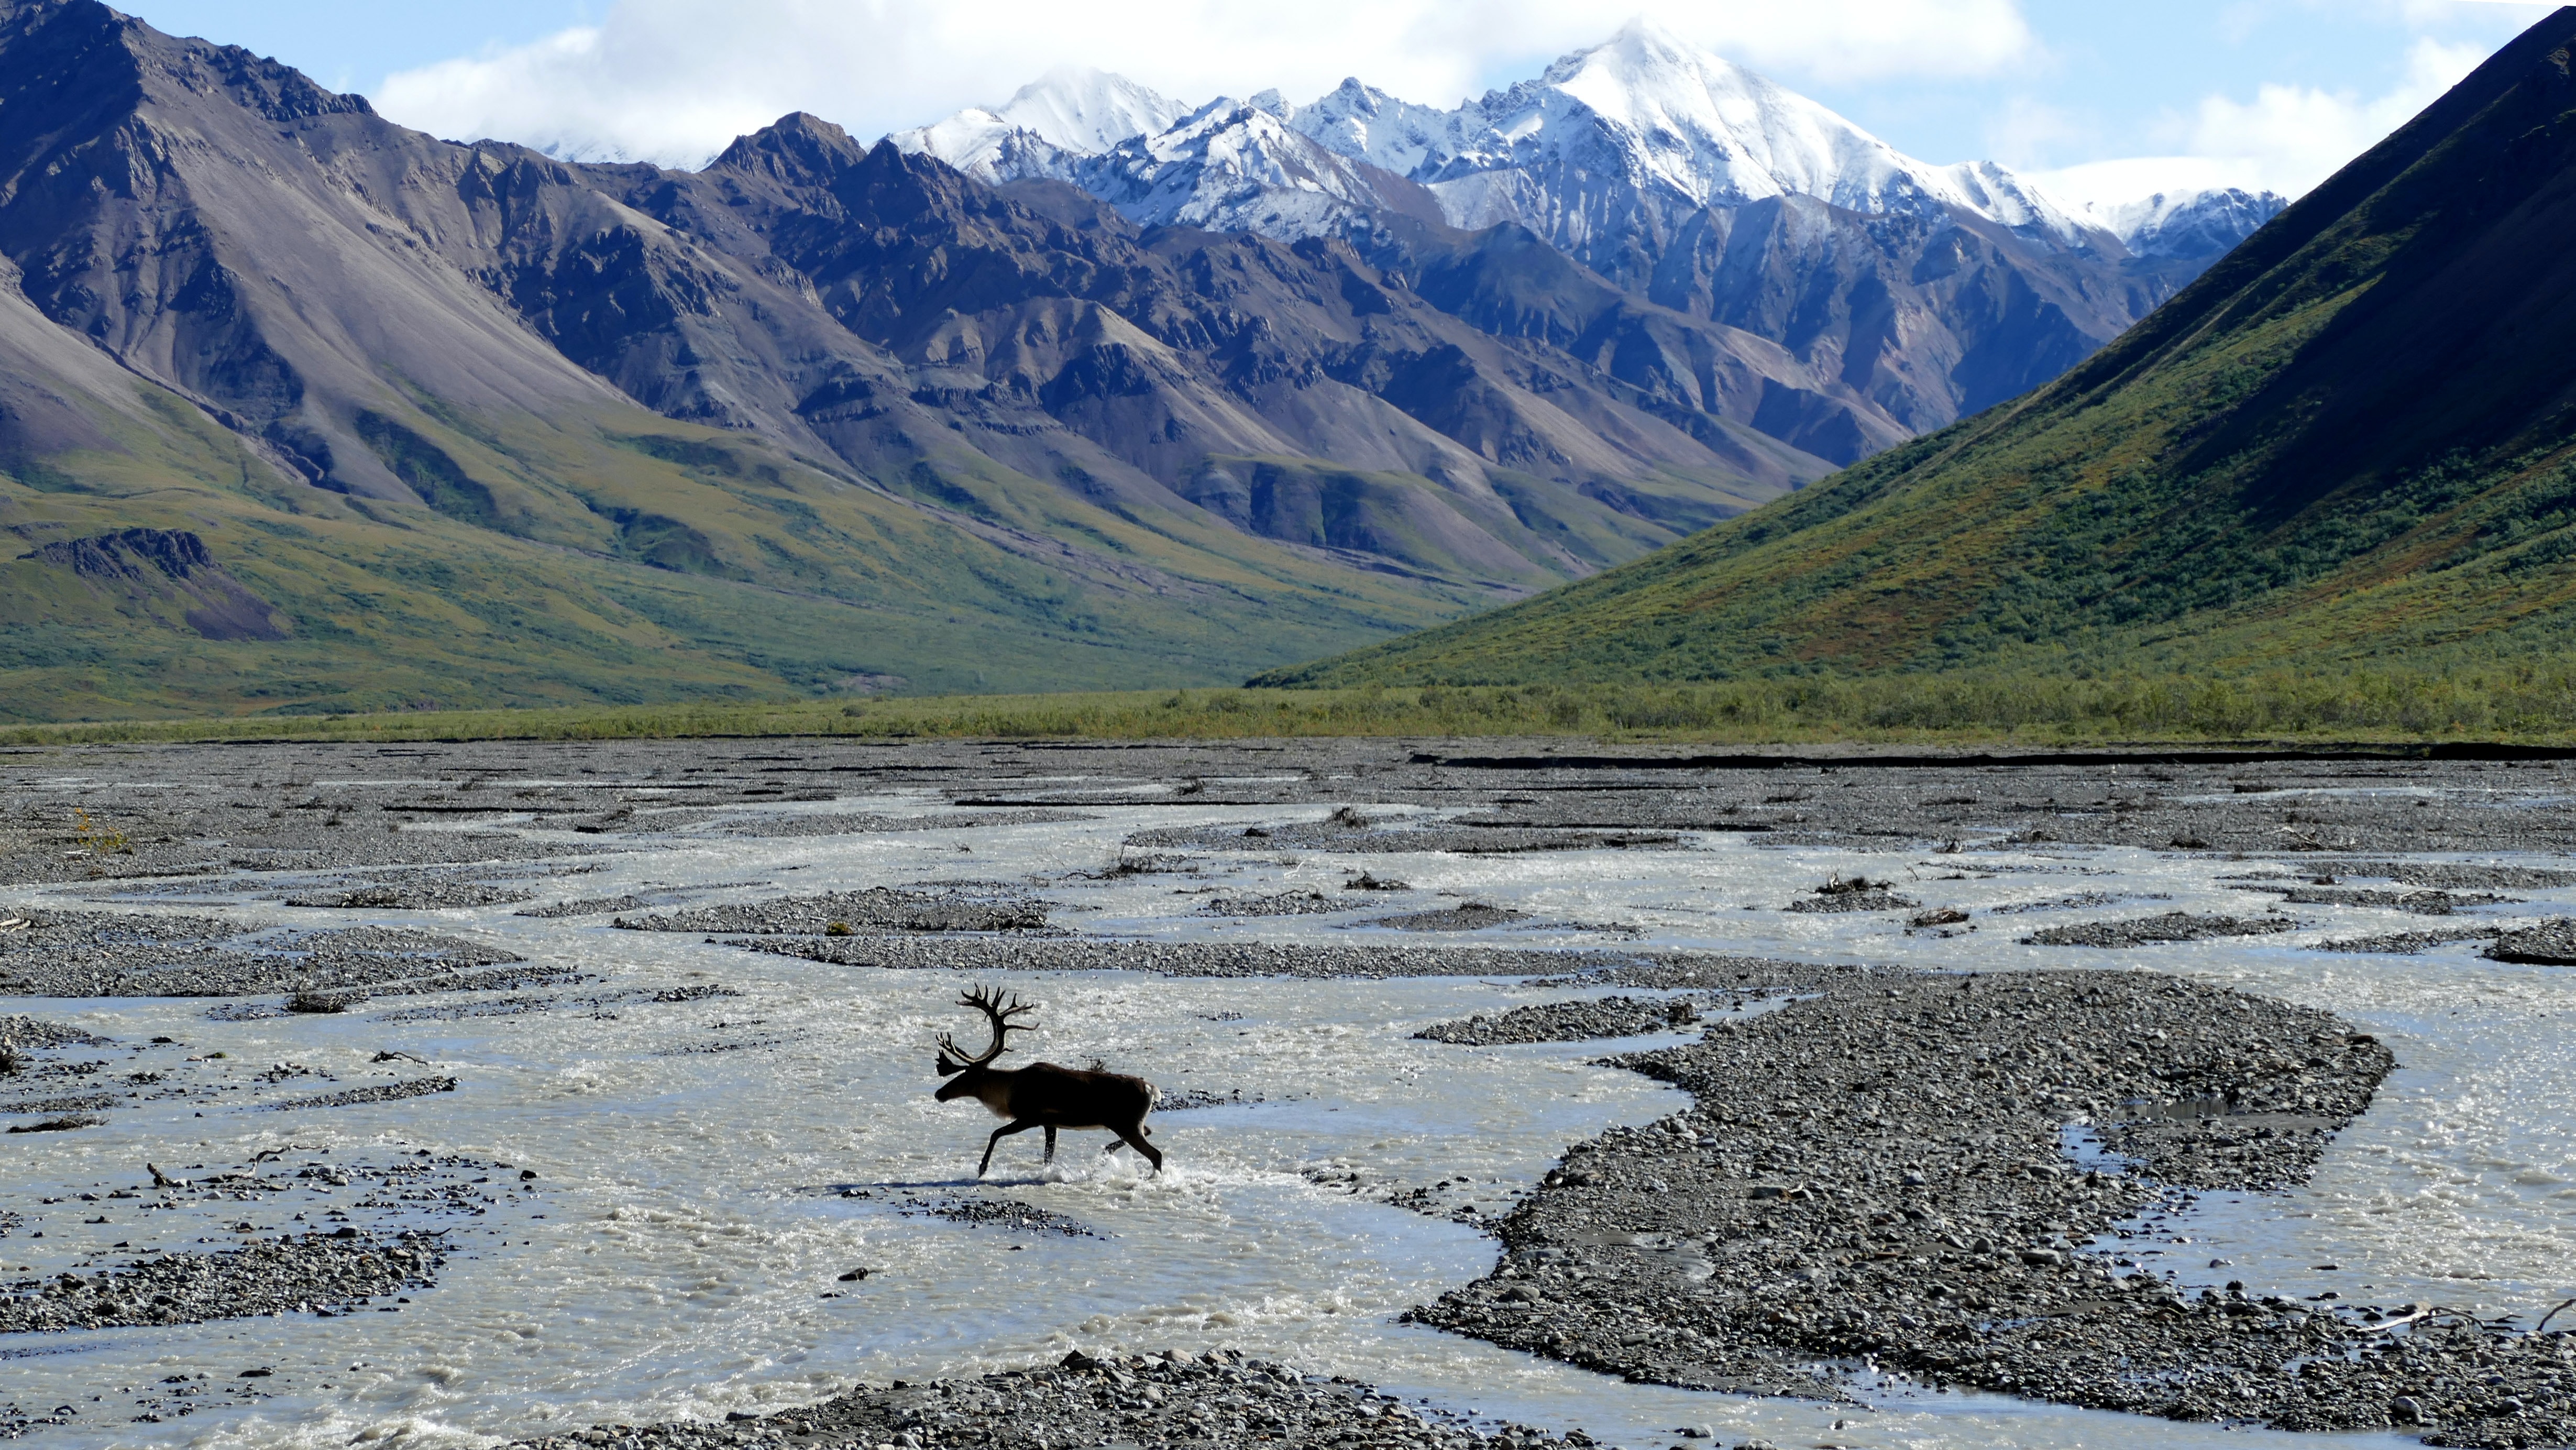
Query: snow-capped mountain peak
(1230, 165)
(1676, 120)
(1643, 119)
(1071, 109)
(2190, 223)
(1366, 124)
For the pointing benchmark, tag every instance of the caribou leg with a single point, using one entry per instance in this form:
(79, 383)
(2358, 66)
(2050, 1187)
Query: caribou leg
(1135, 1138)
(1050, 1157)
(1004, 1131)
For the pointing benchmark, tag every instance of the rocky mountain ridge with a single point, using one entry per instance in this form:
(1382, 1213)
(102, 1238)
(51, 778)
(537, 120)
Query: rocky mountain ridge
(1673, 174)
(469, 423)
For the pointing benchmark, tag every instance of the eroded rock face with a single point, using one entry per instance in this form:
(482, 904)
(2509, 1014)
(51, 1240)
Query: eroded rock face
(169, 567)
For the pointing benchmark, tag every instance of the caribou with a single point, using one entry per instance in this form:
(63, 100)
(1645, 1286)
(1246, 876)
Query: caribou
(1042, 1095)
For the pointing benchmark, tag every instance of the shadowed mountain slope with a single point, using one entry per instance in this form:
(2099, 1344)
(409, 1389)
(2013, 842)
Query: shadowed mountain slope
(473, 425)
(2355, 436)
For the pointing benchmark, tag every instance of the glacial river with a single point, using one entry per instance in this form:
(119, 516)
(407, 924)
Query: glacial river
(710, 1168)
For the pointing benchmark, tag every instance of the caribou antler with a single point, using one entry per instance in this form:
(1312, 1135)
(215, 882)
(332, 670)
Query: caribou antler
(1001, 1009)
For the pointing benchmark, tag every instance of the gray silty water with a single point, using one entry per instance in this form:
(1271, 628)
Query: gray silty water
(719, 1134)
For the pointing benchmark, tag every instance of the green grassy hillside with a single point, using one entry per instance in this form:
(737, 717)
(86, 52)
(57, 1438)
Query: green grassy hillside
(2354, 440)
(618, 556)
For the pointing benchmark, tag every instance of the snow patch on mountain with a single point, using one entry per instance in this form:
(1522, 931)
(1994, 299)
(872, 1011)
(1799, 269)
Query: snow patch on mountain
(1231, 166)
(1636, 131)
(1069, 113)
(1366, 124)
(1692, 129)
(2187, 223)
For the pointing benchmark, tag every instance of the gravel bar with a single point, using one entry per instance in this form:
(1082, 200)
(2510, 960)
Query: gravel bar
(107, 954)
(2550, 944)
(1578, 1021)
(1873, 1175)
(1199, 959)
(329, 1272)
(1219, 1399)
(2173, 926)
(1278, 903)
(1473, 916)
(379, 1093)
(422, 896)
(2408, 943)
(878, 908)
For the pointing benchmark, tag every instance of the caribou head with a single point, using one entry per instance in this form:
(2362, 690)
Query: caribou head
(1041, 1095)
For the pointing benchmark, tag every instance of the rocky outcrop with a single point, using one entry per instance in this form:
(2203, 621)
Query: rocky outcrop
(168, 566)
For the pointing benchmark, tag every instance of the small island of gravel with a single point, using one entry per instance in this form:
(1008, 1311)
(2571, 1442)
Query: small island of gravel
(1873, 1174)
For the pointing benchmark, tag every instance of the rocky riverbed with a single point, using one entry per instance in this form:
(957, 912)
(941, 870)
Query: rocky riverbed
(1874, 1175)
(1915, 1146)
(1583, 1020)
(328, 1273)
(1163, 1400)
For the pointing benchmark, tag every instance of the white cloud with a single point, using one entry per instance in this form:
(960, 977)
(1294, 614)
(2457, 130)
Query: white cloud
(673, 80)
(2286, 139)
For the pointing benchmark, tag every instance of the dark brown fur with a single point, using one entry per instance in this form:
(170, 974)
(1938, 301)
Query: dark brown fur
(1043, 1095)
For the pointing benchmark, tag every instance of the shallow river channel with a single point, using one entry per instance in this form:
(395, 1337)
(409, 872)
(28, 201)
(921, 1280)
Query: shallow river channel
(718, 1136)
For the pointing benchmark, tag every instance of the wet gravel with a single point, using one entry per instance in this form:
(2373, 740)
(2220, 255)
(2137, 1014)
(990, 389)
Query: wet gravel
(2408, 943)
(2550, 944)
(788, 827)
(1219, 1399)
(1465, 840)
(35, 1032)
(1469, 916)
(585, 906)
(1187, 959)
(1872, 1174)
(2172, 926)
(132, 954)
(421, 896)
(1278, 903)
(1787, 1285)
(879, 908)
(377, 1093)
(1579, 1021)
(2414, 903)
(2457, 876)
(332, 1272)
(999, 1213)
(1870, 900)
(81, 1103)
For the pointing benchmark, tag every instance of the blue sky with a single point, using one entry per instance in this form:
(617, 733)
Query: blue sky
(2269, 91)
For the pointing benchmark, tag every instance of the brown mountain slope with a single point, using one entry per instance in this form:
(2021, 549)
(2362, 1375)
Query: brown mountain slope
(480, 425)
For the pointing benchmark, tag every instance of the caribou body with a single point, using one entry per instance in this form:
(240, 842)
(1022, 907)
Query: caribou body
(1042, 1095)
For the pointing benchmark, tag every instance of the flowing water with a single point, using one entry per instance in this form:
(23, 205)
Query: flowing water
(709, 1168)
